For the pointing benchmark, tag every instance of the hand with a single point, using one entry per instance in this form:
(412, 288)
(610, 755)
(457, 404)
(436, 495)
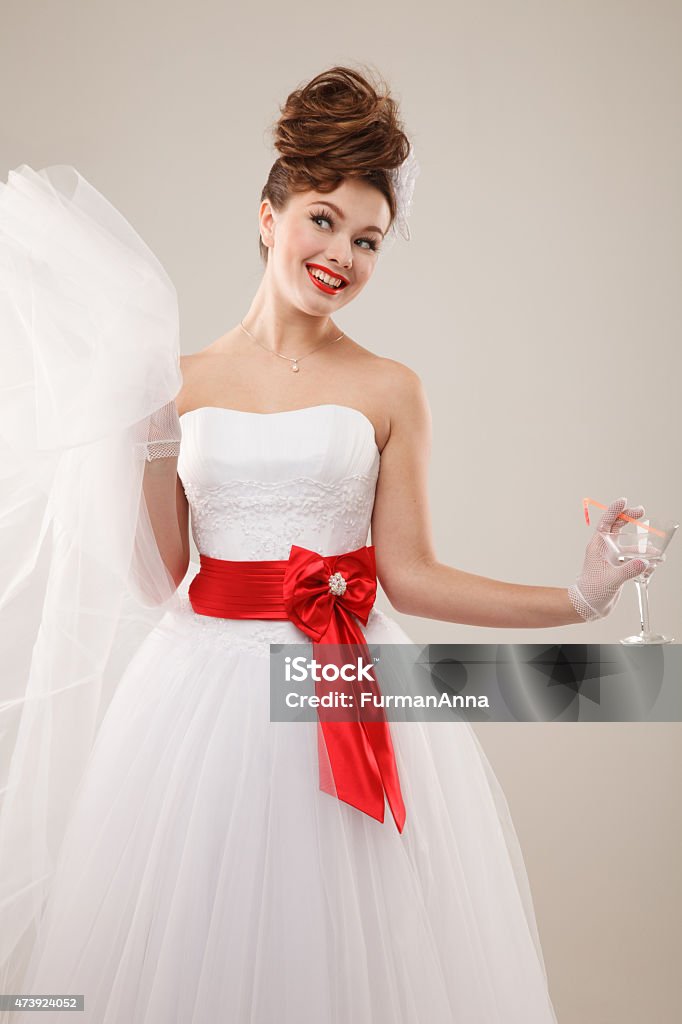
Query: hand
(596, 591)
(164, 433)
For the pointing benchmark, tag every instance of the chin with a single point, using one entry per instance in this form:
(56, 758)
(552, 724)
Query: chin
(321, 306)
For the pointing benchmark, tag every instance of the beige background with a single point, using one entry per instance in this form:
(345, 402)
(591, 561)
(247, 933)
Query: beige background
(539, 300)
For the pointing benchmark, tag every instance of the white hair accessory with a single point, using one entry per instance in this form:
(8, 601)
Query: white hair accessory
(403, 179)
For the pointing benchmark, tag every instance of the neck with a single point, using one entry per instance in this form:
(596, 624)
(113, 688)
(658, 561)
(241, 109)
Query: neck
(285, 330)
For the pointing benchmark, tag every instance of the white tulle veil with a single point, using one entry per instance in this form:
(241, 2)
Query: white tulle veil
(89, 349)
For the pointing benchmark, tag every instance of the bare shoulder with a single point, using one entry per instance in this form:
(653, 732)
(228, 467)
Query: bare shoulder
(402, 392)
(401, 379)
(390, 375)
(189, 366)
(392, 392)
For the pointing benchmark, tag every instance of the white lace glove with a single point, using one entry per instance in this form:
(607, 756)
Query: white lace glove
(164, 434)
(597, 589)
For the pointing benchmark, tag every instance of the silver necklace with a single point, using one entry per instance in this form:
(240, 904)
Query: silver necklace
(295, 367)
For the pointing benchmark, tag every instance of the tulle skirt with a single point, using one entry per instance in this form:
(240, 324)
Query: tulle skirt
(204, 876)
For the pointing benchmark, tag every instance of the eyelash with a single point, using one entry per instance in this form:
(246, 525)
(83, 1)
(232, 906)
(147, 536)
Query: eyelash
(325, 215)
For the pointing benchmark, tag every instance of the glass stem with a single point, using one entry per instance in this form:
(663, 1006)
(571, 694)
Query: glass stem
(642, 584)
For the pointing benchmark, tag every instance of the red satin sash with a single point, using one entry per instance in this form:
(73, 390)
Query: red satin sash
(323, 596)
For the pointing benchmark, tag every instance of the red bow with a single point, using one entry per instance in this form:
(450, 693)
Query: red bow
(322, 596)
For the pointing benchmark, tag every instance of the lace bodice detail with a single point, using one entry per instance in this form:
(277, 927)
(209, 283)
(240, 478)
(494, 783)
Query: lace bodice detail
(257, 483)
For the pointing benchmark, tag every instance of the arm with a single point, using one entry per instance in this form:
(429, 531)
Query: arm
(164, 494)
(413, 579)
(169, 514)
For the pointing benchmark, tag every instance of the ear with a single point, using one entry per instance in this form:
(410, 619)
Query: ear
(267, 223)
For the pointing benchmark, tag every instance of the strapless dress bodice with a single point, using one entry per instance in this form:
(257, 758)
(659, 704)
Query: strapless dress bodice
(256, 483)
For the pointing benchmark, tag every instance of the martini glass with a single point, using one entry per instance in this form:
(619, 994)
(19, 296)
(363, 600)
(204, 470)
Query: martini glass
(646, 538)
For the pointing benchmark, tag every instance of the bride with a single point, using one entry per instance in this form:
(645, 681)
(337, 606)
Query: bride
(167, 852)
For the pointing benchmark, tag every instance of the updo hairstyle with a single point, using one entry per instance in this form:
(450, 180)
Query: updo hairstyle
(340, 125)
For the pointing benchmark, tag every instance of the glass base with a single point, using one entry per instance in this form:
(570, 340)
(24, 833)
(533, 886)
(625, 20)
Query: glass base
(648, 638)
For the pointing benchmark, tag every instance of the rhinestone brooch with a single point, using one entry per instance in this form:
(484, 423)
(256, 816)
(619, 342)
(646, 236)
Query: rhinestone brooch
(337, 584)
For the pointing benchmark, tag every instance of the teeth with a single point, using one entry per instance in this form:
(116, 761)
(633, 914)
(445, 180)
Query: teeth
(334, 282)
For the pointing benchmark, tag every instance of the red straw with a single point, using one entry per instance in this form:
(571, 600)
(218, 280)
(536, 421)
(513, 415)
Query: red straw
(629, 519)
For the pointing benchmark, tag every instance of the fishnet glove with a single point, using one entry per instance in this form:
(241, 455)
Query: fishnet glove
(596, 591)
(165, 434)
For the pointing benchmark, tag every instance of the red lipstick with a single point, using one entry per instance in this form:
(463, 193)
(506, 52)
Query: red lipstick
(328, 289)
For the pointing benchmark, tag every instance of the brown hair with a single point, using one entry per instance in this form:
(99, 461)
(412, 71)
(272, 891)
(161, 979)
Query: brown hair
(340, 125)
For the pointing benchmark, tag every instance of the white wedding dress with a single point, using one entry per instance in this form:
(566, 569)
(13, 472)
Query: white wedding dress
(204, 876)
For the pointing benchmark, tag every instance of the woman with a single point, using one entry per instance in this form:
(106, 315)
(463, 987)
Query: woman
(197, 861)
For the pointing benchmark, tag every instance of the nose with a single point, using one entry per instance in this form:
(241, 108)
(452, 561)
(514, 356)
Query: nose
(341, 255)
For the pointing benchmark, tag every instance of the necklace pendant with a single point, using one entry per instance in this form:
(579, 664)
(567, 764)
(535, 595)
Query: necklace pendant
(294, 367)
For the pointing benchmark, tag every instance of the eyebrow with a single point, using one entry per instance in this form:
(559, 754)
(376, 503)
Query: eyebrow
(372, 227)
